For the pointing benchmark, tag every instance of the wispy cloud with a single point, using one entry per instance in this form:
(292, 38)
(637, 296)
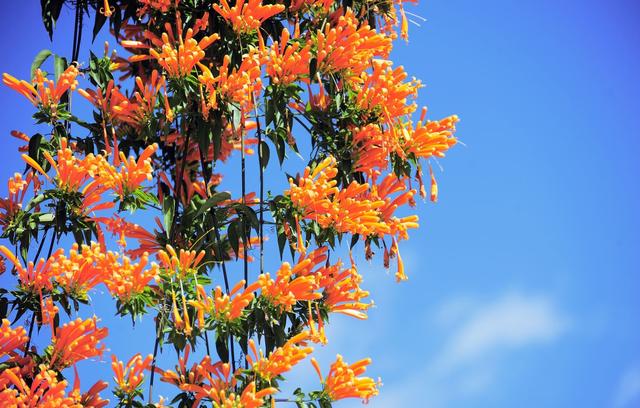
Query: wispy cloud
(480, 337)
(628, 392)
(512, 321)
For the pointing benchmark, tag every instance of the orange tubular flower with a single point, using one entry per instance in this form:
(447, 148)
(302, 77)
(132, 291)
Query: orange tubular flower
(127, 279)
(287, 62)
(44, 391)
(123, 229)
(176, 55)
(182, 265)
(286, 290)
(107, 10)
(237, 86)
(346, 210)
(371, 149)
(74, 175)
(37, 277)
(385, 89)
(114, 105)
(130, 377)
(11, 205)
(76, 341)
(349, 47)
(431, 138)
(158, 5)
(281, 359)
(343, 381)
(131, 172)
(77, 274)
(184, 377)
(46, 93)
(11, 339)
(342, 292)
(221, 307)
(247, 16)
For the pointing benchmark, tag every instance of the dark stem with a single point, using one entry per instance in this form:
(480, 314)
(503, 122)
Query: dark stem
(33, 315)
(176, 203)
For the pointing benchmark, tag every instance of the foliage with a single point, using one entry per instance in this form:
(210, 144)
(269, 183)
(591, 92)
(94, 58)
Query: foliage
(205, 81)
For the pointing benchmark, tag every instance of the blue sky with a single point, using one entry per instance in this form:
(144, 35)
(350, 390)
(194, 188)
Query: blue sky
(524, 280)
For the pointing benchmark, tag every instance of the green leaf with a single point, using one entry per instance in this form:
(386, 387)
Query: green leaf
(234, 239)
(212, 201)
(168, 210)
(98, 23)
(40, 58)
(264, 152)
(59, 65)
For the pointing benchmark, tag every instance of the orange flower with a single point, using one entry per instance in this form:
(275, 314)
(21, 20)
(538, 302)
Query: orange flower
(343, 381)
(158, 5)
(131, 172)
(77, 273)
(287, 62)
(107, 10)
(281, 359)
(342, 292)
(114, 105)
(12, 205)
(182, 376)
(247, 16)
(372, 147)
(384, 89)
(286, 290)
(127, 279)
(46, 92)
(130, 377)
(184, 264)
(49, 311)
(123, 229)
(346, 210)
(36, 277)
(221, 307)
(45, 390)
(76, 341)
(177, 55)
(431, 138)
(74, 175)
(349, 47)
(237, 86)
(11, 339)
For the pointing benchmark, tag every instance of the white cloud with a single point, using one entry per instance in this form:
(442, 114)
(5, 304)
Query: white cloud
(481, 338)
(628, 391)
(512, 321)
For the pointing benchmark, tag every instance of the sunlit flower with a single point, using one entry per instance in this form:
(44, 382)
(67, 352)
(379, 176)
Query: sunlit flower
(128, 378)
(126, 279)
(237, 86)
(287, 61)
(183, 263)
(11, 339)
(44, 92)
(177, 55)
(286, 290)
(77, 273)
(35, 277)
(222, 307)
(75, 341)
(343, 380)
(247, 15)
(282, 359)
(349, 47)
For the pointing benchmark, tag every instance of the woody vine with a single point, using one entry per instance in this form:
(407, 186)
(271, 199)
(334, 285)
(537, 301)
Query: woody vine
(194, 83)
